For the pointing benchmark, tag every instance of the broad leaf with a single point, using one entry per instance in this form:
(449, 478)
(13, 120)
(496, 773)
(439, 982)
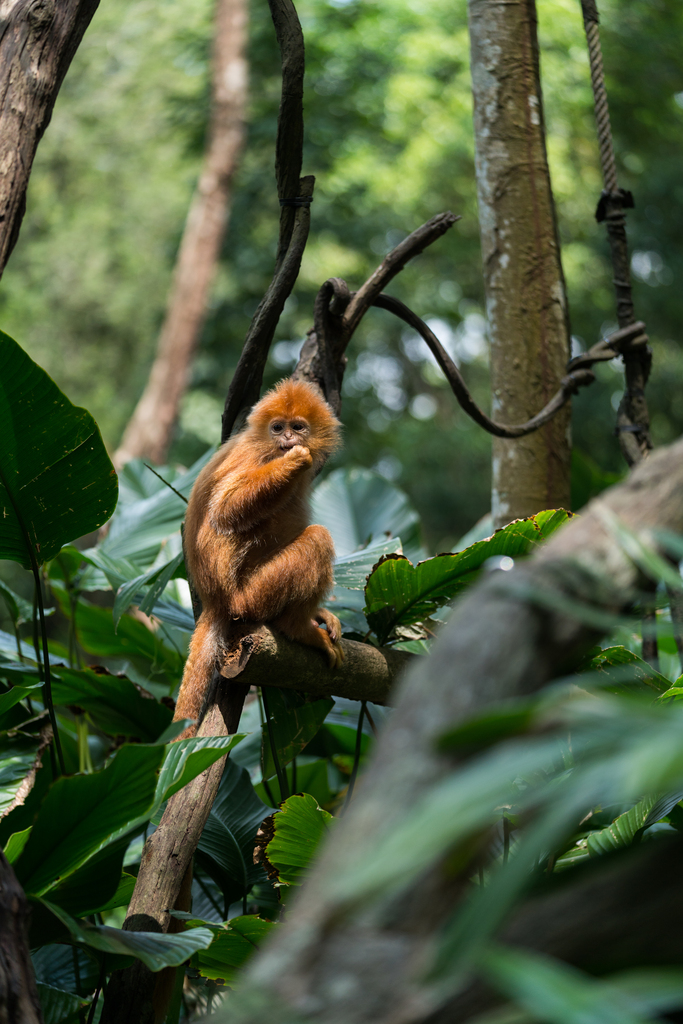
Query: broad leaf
(357, 506)
(226, 846)
(138, 528)
(353, 570)
(188, 758)
(56, 479)
(133, 641)
(619, 670)
(232, 948)
(399, 593)
(629, 827)
(149, 585)
(116, 706)
(299, 828)
(16, 843)
(83, 813)
(58, 1006)
(291, 727)
(156, 950)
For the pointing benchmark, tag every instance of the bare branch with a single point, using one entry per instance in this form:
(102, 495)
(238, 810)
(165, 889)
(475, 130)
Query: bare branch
(262, 657)
(338, 312)
(569, 384)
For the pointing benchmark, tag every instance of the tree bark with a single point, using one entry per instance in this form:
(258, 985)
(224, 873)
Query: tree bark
(379, 949)
(19, 1003)
(38, 39)
(525, 293)
(150, 429)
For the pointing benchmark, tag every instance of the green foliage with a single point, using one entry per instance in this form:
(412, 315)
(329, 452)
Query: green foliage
(399, 594)
(56, 480)
(232, 948)
(298, 830)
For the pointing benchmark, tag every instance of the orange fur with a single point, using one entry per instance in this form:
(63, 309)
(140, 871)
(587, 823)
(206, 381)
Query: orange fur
(249, 549)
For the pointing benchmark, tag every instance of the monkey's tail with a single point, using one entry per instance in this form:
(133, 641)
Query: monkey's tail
(200, 666)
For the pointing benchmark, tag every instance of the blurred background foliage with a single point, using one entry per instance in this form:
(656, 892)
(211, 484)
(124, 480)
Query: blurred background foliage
(389, 138)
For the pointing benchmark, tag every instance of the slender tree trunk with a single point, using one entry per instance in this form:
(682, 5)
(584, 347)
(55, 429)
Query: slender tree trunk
(38, 39)
(19, 1002)
(525, 292)
(150, 430)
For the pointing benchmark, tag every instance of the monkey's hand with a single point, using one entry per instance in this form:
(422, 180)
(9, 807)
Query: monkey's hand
(334, 632)
(300, 456)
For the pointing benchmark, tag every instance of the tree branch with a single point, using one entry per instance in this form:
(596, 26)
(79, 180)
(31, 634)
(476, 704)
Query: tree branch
(339, 312)
(261, 657)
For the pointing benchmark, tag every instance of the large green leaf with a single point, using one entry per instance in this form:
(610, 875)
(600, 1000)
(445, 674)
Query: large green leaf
(116, 706)
(299, 828)
(186, 759)
(83, 813)
(619, 670)
(90, 888)
(139, 527)
(399, 593)
(56, 479)
(628, 827)
(133, 641)
(226, 846)
(353, 570)
(58, 1006)
(146, 588)
(291, 725)
(155, 949)
(357, 505)
(232, 948)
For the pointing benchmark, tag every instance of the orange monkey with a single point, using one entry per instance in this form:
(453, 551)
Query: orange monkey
(249, 549)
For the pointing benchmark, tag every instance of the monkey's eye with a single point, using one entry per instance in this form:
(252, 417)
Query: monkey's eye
(298, 427)
(277, 428)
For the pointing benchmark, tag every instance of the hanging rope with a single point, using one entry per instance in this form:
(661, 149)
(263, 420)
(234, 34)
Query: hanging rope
(633, 420)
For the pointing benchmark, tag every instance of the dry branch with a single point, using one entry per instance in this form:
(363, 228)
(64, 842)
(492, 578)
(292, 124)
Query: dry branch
(380, 950)
(38, 39)
(261, 657)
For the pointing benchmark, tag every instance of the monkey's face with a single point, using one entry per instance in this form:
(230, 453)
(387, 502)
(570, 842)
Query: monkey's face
(286, 433)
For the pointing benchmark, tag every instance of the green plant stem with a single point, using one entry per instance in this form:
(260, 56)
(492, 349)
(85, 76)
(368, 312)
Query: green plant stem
(506, 840)
(47, 679)
(34, 621)
(170, 486)
(281, 775)
(356, 756)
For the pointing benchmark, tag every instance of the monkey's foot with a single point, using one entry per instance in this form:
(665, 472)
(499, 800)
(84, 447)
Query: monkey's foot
(334, 632)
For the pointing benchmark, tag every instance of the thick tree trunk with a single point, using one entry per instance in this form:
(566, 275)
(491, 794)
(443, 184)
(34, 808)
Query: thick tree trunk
(19, 1002)
(38, 39)
(150, 429)
(525, 293)
(339, 960)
